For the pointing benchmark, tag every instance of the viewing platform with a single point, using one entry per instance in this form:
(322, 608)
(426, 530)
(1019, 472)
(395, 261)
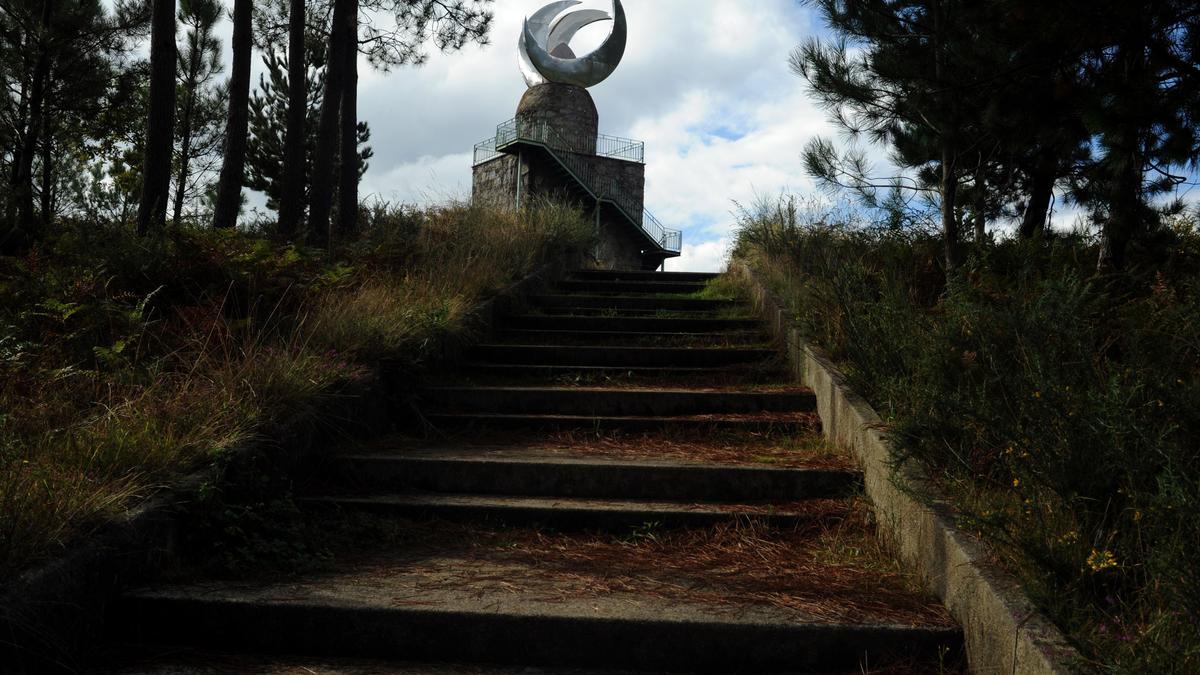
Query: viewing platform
(552, 148)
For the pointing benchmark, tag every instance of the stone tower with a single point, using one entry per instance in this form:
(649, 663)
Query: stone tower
(553, 148)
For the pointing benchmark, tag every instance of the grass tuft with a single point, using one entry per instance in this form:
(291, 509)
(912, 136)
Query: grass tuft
(127, 361)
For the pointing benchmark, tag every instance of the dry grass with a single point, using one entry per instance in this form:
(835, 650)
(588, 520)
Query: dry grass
(126, 361)
(830, 567)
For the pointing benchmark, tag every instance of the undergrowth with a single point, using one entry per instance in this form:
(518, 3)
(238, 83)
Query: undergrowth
(1060, 409)
(126, 361)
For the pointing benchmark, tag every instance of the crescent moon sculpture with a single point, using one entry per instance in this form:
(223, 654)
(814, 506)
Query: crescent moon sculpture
(545, 53)
(565, 28)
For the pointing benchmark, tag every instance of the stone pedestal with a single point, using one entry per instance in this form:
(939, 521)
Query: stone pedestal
(566, 109)
(555, 156)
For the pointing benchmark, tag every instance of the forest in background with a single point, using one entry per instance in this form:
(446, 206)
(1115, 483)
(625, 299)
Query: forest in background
(92, 132)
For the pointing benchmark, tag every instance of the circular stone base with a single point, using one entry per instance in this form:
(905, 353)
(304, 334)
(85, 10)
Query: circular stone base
(565, 108)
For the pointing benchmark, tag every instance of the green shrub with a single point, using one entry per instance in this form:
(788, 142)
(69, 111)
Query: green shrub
(1061, 410)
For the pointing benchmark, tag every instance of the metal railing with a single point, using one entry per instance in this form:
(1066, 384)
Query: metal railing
(573, 154)
(485, 151)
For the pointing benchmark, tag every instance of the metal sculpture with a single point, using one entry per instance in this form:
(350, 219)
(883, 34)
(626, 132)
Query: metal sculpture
(545, 51)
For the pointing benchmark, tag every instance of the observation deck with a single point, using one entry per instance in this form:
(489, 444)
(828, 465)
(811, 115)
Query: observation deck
(607, 172)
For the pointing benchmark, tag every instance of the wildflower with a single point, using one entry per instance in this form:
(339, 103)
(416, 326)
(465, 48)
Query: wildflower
(1016, 482)
(1069, 538)
(1137, 515)
(1037, 394)
(1101, 560)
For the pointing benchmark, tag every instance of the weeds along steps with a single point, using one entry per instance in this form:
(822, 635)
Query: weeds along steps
(223, 352)
(603, 502)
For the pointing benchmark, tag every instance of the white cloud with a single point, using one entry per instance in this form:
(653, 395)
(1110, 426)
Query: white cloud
(705, 84)
(708, 256)
(427, 179)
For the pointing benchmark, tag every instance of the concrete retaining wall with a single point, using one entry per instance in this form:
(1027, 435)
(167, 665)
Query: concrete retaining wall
(1004, 632)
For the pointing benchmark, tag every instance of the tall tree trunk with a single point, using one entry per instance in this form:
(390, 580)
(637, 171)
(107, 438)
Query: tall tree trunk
(185, 126)
(348, 182)
(949, 182)
(1041, 191)
(47, 201)
(160, 127)
(949, 204)
(233, 165)
(21, 126)
(23, 179)
(980, 208)
(1125, 164)
(291, 200)
(320, 192)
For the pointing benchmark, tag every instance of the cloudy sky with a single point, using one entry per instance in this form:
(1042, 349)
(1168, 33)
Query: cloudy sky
(705, 83)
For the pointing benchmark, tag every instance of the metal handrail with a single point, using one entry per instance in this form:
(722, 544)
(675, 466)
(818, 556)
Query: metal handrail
(485, 151)
(572, 155)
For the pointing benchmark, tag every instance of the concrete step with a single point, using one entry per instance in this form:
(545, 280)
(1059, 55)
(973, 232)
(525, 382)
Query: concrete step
(539, 472)
(751, 423)
(612, 401)
(613, 275)
(648, 339)
(496, 608)
(619, 356)
(569, 514)
(522, 373)
(614, 286)
(628, 324)
(627, 302)
(168, 660)
(646, 312)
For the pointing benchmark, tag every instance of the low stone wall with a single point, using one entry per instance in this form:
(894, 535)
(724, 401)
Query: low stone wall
(1004, 633)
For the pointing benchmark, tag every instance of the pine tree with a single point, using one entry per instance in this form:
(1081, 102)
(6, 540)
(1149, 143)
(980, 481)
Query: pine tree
(200, 103)
(233, 166)
(265, 167)
(291, 201)
(156, 168)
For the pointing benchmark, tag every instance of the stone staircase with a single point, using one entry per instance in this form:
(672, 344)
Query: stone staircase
(609, 486)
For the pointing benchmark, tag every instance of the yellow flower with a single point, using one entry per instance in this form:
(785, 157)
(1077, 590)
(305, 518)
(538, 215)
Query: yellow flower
(1101, 560)
(1137, 515)
(1037, 394)
(1069, 538)
(1016, 482)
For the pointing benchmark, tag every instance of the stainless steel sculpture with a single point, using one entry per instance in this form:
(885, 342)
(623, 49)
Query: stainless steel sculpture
(545, 51)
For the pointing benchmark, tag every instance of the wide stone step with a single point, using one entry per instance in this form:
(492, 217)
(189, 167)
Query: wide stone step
(612, 401)
(649, 339)
(613, 275)
(749, 423)
(570, 514)
(619, 356)
(505, 610)
(538, 472)
(650, 287)
(626, 302)
(629, 324)
(525, 372)
(640, 312)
